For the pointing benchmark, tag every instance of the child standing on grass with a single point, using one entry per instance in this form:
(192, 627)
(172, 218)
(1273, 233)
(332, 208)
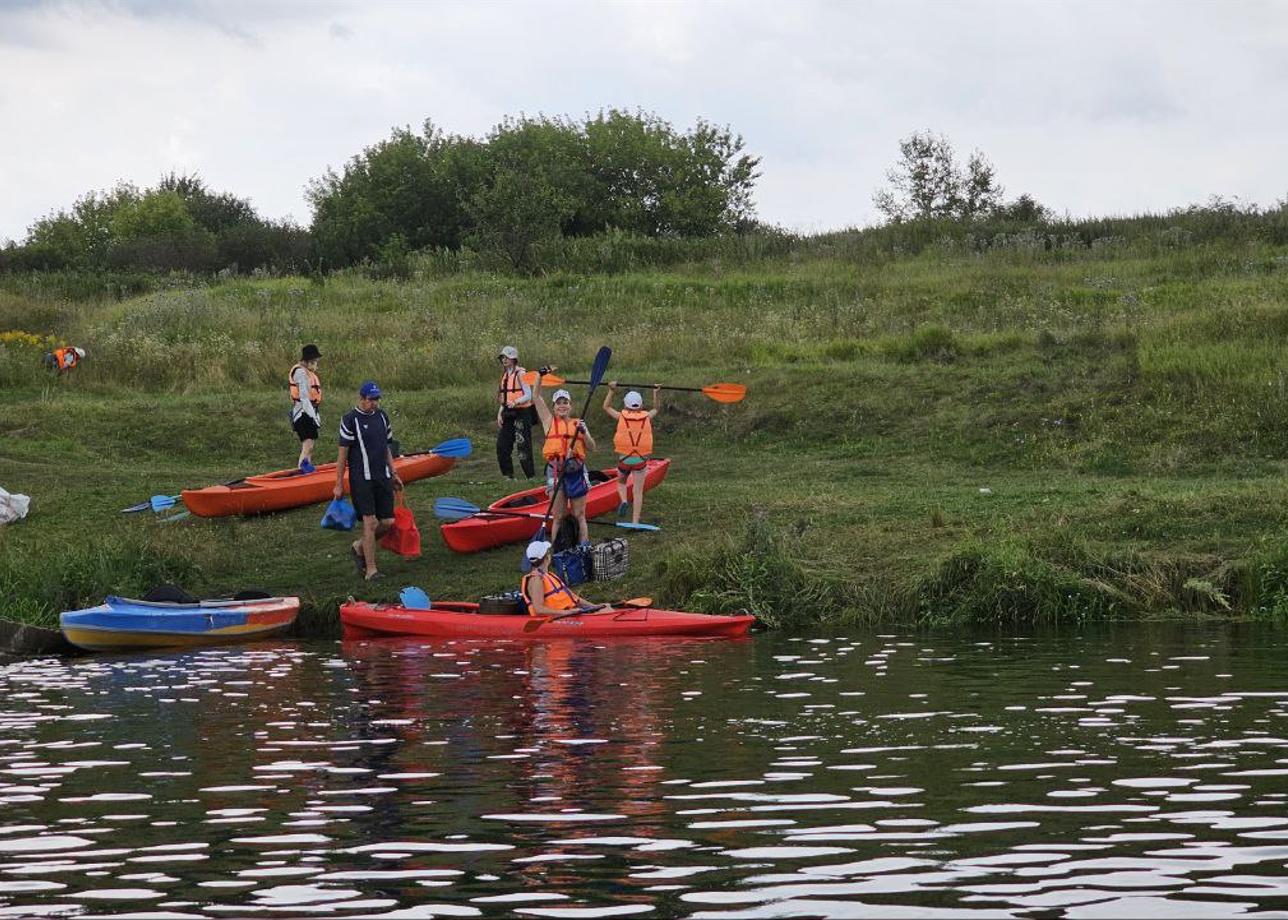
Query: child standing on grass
(567, 442)
(306, 401)
(633, 442)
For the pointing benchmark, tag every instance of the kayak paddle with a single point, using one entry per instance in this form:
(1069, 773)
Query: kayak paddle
(537, 622)
(719, 392)
(456, 509)
(155, 503)
(414, 598)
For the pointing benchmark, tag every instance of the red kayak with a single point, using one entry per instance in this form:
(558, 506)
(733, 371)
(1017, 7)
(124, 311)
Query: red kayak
(482, 532)
(291, 488)
(459, 620)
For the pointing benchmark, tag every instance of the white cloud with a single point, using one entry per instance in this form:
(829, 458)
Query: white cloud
(1093, 107)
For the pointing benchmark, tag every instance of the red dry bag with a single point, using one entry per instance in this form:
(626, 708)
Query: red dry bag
(404, 537)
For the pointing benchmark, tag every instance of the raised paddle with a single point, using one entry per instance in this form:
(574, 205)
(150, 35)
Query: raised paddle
(719, 392)
(456, 509)
(535, 623)
(597, 369)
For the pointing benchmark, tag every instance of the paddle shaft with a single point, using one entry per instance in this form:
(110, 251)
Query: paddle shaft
(645, 386)
(485, 512)
(630, 603)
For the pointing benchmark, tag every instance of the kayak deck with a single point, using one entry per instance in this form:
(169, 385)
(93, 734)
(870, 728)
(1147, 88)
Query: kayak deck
(452, 619)
(284, 489)
(482, 532)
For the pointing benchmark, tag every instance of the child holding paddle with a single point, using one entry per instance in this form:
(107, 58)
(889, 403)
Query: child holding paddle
(633, 442)
(567, 442)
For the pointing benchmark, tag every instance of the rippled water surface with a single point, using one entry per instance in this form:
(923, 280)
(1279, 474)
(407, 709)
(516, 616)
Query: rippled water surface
(1141, 772)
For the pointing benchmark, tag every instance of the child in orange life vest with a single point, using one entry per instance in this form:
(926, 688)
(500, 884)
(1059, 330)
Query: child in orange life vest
(634, 445)
(567, 443)
(306, 400)
(544, 593)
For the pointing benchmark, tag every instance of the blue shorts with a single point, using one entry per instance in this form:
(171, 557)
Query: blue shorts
(576, 479)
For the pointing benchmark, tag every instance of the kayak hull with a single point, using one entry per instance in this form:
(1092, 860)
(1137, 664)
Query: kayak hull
(120, 624)
(293, 489)
(459, 620)
(480, 532)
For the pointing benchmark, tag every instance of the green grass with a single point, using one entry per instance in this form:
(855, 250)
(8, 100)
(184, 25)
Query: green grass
(1125, 411)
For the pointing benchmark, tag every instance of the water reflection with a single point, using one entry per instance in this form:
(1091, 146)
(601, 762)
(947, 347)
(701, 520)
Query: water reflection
(1139, 772)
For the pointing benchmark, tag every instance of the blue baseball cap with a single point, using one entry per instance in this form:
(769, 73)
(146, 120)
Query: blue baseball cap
(369, 390)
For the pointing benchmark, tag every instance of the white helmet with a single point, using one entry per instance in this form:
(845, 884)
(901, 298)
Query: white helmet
(562, 394)
(633, 400)
(510, 352)
(80, 352)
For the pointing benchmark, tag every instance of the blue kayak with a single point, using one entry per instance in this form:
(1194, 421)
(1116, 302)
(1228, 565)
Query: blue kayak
(120, 624)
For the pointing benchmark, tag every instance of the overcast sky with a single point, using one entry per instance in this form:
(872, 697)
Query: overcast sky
(1092, 107)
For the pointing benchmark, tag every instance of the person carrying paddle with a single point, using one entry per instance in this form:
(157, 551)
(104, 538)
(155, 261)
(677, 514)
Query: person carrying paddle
(565, 448)
(306, 400)
(633, 442)
(513, 416)
(544, 593)
(373, 478)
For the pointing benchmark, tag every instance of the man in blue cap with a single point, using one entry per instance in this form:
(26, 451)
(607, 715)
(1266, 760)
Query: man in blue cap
(365, 433)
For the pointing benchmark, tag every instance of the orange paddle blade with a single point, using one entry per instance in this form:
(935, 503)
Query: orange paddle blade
(725, 392)
(635, 602)
(549, 380)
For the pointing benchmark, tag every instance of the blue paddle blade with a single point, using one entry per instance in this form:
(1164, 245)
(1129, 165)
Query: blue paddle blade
(455, 447)
(454, 509)
(161, 502)
(600, 365)
(627, 525)
(414, 598)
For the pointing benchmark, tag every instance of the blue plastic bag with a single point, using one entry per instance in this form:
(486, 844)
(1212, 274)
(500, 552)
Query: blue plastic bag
(339, 515)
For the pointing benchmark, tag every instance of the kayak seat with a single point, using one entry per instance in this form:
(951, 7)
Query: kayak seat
(170, 594)
(524, 501)
(598, 476)
(502, 605)
(251, 594)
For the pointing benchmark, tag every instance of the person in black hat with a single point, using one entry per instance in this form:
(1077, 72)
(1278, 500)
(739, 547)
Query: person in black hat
(306, 402)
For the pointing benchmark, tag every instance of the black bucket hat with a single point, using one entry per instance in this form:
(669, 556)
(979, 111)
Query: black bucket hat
(310, 353)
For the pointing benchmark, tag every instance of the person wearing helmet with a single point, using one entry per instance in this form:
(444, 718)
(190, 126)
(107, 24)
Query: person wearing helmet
(567, 443)
(633, 443)
(543, 592)
(513, 416)
(306, 401)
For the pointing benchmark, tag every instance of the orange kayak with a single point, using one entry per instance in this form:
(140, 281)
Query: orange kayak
(293, 489)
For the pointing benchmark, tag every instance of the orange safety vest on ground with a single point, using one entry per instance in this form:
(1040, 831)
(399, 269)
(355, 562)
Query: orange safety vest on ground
(558, 436)
(510, 392)
(66, 358)
(557, 594)
(634, 437)
(315, 386)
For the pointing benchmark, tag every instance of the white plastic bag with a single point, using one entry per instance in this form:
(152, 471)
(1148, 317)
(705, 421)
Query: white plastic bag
(13, 507)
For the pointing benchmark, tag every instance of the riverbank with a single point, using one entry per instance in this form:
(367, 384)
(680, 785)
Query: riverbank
(938, 439)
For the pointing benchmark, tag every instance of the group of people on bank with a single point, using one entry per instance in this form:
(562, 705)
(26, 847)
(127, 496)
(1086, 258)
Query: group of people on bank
(366, 453)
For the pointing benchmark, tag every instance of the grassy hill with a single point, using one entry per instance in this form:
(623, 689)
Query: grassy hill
(1018, 435)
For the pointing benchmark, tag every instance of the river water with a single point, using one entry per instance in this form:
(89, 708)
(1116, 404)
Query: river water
(1140, 771)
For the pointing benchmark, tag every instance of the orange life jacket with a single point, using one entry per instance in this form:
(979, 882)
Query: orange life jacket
(559, 435)
(315, 386)
(557, 594)
(66, 358)
(634, 437)
(510, 392)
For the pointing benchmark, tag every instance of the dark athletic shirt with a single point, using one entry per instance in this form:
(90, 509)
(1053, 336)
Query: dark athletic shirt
(367, 435)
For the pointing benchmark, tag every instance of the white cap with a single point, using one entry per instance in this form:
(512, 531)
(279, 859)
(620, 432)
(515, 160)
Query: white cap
(633, 400)
(510, 352)
(80, 352)
(537, 550)
(562, 394)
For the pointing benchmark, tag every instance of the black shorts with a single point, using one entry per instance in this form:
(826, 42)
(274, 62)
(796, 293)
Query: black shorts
(306, 428)
(372, 497)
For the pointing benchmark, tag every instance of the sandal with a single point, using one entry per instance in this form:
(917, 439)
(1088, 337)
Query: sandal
(359, 561)
(374, 575)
